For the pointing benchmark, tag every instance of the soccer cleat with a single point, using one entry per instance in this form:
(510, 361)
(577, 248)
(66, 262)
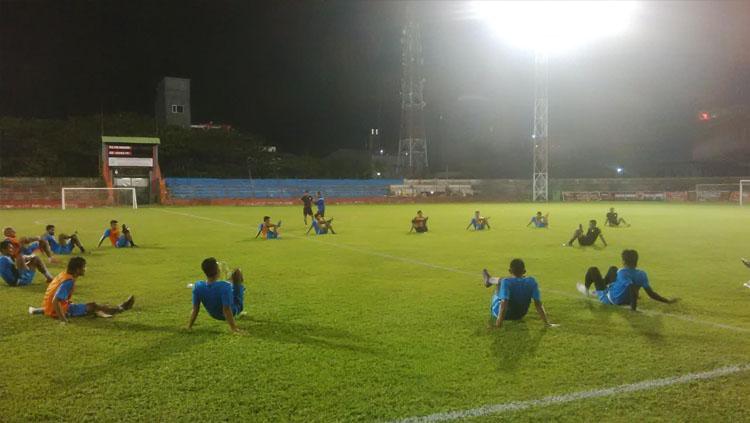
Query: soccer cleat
(745, 261)
(582, 289)
(190, 285)
(747, 284)
(128, 304)
(33, 310)
(100, 313)
(486, 277)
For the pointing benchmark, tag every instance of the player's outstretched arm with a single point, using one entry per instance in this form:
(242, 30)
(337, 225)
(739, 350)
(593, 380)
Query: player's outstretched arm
(603, 240)
(501, 315)
(634, 297)
(543, 314)
(59, 311)
(258, 234)
(467, 228)
(308, 230)
(194, 315)
(101, 240)
(229, 317)
(654, 296)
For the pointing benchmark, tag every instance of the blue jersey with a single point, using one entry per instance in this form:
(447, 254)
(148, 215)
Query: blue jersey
(477, 225)
(318, 229)
(518, 292)
(56, 247)
(320, 204)
(618, 292)
(538, 222)
(8, 270)
(214, 296)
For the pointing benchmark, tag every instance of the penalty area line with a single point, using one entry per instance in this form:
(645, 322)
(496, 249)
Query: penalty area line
(646, 385)
(463, 272)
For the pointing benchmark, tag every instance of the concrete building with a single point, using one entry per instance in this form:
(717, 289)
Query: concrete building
(173, 102)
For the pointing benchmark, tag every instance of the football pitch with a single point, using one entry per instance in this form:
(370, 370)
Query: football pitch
(375, 324)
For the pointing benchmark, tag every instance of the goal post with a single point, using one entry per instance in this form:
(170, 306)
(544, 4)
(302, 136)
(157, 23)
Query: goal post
(98, 197)
(743, 182)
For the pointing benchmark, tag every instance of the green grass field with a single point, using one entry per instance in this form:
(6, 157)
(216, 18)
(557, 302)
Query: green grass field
(373, 324)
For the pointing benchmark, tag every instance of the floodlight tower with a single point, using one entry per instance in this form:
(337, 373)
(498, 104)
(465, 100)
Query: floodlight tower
(412, 144)
(540, 136)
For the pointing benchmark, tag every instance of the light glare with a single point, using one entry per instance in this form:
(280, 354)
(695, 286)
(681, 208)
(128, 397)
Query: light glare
(555, 26)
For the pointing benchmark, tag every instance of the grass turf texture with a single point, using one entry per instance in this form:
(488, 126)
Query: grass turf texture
(342, 327)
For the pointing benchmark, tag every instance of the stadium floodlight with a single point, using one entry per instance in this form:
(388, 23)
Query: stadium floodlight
(619, 171)
(555, 26)
(549, 28)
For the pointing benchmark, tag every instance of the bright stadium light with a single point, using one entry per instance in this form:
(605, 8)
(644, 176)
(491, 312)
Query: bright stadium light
(548, 28)
(555, 26)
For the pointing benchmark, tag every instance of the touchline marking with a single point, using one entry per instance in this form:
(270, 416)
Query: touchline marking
(464, 272)
(646, 385)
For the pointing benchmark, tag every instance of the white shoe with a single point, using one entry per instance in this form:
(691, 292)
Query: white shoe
(190, 285)
(31, 310)
(747, 284)
(745, 261)
(582, 289)
(103, 314)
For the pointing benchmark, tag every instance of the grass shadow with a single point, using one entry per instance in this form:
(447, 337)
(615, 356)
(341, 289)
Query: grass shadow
(306, 334)
(514, 343)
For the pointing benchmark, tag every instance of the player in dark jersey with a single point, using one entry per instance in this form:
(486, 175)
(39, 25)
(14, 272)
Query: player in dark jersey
(586, 238)
(419, 223)
(307, 201)
(613, 219)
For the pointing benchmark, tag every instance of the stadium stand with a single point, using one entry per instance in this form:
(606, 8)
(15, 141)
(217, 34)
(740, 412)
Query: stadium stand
(207, 189)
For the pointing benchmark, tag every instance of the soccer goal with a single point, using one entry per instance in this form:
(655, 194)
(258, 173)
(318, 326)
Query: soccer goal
(743, 191)
(98, 197)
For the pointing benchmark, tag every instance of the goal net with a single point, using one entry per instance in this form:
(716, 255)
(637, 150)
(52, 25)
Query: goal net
(98, 197)
(732, 193)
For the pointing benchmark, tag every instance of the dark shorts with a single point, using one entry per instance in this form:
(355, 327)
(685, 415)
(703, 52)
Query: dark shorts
(307, 211)
(421, 229)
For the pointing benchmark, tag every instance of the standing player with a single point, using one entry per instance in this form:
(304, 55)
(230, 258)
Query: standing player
(321, 225)
(479, 222)
(320, 203)
(614, 220)
(221, 299)
(64, 243)
(57, 302)
(621, 288)
(419, 223)
(539, 221)
(307, 201)
(268, 230)
(27, 245)
(513, 295)
(588, 238)
(117, 238)
(19, 271)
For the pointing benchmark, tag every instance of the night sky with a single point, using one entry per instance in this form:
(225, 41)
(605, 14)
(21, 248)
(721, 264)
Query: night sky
(314, 76)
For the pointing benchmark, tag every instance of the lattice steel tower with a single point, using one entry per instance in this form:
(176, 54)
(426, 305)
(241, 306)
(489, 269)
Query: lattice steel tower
(412, 144)
(540, 136)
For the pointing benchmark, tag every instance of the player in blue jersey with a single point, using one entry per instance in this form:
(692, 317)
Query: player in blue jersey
(539, 221)
(222, 300)
(321, 225)
(320, 204)
(514, 294)
(268, 230)
(479, 222)
(64, 244)
(19, 271)
(117, 238)
(621, 287)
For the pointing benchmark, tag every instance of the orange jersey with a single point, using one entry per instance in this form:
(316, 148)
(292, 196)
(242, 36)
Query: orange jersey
(113, 234)
(52, 288)
(16, 246)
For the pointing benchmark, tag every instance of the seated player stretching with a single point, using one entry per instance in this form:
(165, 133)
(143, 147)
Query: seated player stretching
(27, 245)
(19, 271)
(746, 262)
(117, 238)
(57, 302)
(620, 287)
(479, 222)
(222, 300)
(539, 221)
(513, 295)
(419, 223)
(614, 220)
(321, 225)
(588, 238)
(268, 230)
(64, 244)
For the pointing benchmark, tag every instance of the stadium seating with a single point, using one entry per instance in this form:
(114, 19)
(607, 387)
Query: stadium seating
(207, 188)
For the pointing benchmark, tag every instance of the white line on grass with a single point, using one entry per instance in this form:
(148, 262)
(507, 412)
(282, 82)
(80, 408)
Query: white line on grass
(465, 272)
(646, 385)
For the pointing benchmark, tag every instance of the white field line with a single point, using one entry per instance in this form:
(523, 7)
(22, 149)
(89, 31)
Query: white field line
(464, 272)
(646, 385)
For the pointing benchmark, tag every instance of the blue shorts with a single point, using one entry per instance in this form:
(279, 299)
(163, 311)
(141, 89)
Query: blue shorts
(77, 310)
(272, 235)
(25, 277)
(29, 249)
(121, 242)
(62, 249)
(604, 297)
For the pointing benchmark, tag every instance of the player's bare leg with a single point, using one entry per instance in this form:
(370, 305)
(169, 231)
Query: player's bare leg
(104, 310)
(33, 262)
